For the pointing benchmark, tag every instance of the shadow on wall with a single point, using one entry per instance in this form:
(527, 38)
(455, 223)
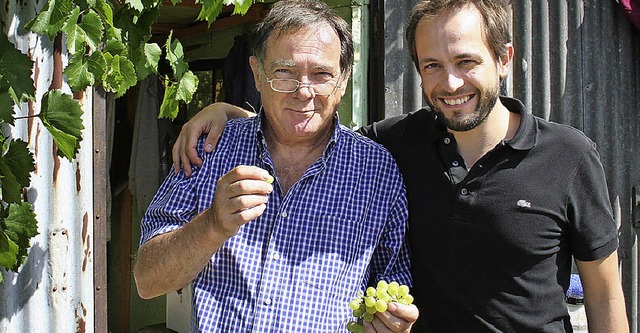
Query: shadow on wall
(18, 288)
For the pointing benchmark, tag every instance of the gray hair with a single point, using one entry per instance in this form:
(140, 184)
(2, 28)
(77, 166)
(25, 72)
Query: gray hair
(292, 15)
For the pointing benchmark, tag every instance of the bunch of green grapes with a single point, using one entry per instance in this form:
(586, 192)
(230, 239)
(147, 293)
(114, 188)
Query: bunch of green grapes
(377, 299)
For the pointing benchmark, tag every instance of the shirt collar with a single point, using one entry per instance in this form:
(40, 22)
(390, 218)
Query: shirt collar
(527, 133)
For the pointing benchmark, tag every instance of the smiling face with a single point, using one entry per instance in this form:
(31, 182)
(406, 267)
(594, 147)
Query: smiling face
(307, 55)
(460, 77)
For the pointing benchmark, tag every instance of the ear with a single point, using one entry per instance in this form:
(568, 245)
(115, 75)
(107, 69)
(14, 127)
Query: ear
(257, 72)
(343, 85)
(504, 64)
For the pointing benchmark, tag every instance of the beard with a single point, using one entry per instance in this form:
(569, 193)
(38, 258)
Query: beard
(459, 122)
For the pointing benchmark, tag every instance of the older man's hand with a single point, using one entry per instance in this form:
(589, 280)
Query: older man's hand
(398, 318)
(241, 196)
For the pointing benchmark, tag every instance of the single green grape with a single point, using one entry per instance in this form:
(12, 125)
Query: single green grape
(408, 298)
(269, 179)
(368, 317)
(370, 301)
(381, 305)
(382, 285)
(358, 312)
(403, 290)
(352, 326)
(355, 303)
(371, 291)
(372, 309)
(381, 293)
(393, 287)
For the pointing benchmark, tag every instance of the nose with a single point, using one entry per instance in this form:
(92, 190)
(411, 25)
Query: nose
(306, 93)
(453, 81)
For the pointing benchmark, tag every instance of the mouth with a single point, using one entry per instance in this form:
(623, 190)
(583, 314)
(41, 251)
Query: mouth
(456, 101)
(303, 111)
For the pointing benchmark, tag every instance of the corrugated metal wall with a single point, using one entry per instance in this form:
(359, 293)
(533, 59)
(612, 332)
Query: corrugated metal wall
(54, 290)
(576, 62)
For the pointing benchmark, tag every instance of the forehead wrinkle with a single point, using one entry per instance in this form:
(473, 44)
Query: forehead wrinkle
(282, 63)
(292, 64)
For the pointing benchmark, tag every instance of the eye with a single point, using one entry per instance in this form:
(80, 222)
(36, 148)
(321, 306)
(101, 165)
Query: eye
(430, 67)
(283, 73)
(468, 63)
(323, 76)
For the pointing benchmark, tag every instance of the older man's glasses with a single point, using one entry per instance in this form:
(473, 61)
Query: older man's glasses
(292, 85)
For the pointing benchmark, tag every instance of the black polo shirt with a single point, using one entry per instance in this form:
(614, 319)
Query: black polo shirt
(491, 247)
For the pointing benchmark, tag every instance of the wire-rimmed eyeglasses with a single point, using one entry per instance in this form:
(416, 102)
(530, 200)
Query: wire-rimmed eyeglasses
(292, 85)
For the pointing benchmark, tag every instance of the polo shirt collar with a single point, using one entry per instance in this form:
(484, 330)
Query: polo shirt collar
(527, 133)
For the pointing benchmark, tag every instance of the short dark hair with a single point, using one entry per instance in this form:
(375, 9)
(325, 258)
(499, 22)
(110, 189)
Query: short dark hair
(287, 15)
(495, 27)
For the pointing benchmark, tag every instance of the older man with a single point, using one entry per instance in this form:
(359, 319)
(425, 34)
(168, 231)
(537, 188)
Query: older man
(287, 257)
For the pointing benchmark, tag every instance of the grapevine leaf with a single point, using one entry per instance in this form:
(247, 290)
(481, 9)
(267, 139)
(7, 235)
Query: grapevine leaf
(84, 71)
(175, 56)
(169, 107)
(15, 70)
(136, 27)
(20, 161)
(61, 115)
(87, 32)
(135, 4)
(73, 32)
(51, 18)
(105, 12)
(210, 10)
(92, 27)
(20, 226)
(146, 59)
(8, 252)
(187, 87)
(6, 104)
(120, 74)
(115, 47)
(241, 6)
(11, 188)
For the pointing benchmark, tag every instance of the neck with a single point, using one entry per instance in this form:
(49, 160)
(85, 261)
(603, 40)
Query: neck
(500, 124)
(292, 158)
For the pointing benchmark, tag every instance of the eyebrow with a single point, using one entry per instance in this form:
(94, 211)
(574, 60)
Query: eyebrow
(289, 63)
(458, 56)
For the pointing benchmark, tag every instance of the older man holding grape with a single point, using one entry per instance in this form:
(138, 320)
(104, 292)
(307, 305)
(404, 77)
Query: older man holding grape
(268, 239)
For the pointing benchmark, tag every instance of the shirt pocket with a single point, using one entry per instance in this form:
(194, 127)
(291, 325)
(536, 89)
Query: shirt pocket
(334, 261)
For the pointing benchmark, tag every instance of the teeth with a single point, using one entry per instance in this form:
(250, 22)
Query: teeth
(455, 101)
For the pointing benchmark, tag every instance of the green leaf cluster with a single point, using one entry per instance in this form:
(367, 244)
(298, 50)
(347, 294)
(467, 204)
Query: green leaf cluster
(108, 42)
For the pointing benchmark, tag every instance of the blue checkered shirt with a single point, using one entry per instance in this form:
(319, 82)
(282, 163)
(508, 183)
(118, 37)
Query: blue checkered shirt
(340, 228)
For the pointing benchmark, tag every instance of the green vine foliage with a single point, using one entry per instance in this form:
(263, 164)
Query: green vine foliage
(108, 45)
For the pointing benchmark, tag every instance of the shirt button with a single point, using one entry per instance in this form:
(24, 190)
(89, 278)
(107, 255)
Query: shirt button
(284, 214)
(464, 191)
(454, 163)
(276, 256)
(267, 301)
(447, 141)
